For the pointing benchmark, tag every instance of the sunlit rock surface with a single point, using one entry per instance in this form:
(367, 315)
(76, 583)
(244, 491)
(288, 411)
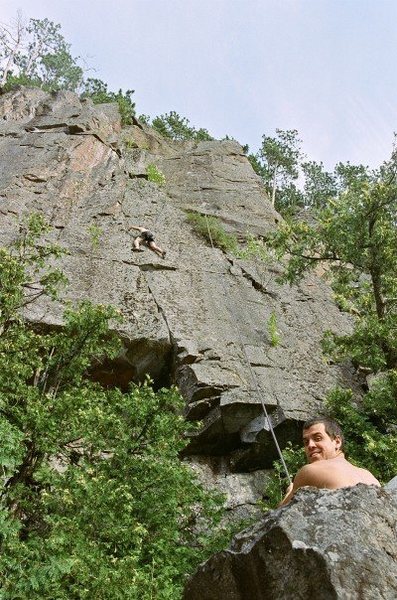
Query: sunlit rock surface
(199, 318)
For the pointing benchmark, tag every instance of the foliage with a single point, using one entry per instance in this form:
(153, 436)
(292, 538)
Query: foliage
(320, 185)
(129, 143)
(36, 53)
(97, 90)
(95, 235)
(294, 458)
(94, 502)
(255, 248)
(210, 229)
(277, 162)
(22, 286)
(297, 186)
(173, 126)
(356, 235)
(155, 175)
(274, 334)
(256, 165)
(371, 429)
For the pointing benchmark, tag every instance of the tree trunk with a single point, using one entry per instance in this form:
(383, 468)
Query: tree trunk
(274, 187)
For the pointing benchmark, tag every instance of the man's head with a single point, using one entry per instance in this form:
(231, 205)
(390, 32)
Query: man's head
(322, 439)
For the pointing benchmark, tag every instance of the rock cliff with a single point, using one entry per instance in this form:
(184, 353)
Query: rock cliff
(198, 318)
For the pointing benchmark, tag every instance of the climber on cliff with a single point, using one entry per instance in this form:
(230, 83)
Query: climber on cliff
(146, 238)
(328, 467)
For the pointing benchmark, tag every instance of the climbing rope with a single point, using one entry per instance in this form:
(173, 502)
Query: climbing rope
(253, 376)
(160, 210)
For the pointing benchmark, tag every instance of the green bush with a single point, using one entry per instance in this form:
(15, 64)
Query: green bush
(210, 229)
(97, 91)
(273, 332)
(96, 234)
(130, 143)
(255, 248)
(370, 429)
(294, 458)
(175, 127)
(155, 175)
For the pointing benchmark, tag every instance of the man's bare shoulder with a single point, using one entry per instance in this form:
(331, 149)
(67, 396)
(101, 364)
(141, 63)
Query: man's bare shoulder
(367, 477)
(308, 474)
(333, 473)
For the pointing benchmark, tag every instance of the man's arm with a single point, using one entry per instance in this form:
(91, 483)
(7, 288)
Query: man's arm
(137, 228)
(288, 495)
(304, 476)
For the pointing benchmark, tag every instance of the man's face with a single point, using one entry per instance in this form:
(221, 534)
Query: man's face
(318, 445)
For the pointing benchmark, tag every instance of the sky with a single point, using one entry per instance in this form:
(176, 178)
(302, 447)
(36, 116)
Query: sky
(243, 68)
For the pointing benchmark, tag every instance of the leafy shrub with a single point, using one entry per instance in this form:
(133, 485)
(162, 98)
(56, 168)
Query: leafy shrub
(130, 143)
(210, 229)
(96, 233)
(175, 127)
(294, 458)
(35, 53)
(255, 248)
(273, 332)
(371, 429)
(155, 175)
(97, 91)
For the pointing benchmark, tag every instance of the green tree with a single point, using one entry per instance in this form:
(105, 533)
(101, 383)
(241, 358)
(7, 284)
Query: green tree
(94, 500)
(97, 90)
(212, 230)
(11, 40)
(320, 185)
(279, 158)
(355, 234)
(173, 126)
(36, 53)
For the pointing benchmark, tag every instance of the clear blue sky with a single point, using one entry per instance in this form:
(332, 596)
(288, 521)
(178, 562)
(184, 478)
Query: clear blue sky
(247, 67)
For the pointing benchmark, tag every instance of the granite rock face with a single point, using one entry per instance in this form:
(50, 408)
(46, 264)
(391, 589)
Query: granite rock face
(326, 544)
(199, 318)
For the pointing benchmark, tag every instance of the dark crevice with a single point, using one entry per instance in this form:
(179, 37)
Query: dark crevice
(138, 360)
(257, 285)
(137, 176)
(156, 267)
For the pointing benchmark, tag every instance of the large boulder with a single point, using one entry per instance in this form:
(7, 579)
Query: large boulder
(327, 545)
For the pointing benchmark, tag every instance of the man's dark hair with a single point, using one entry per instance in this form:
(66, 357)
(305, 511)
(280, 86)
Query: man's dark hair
(332, 428)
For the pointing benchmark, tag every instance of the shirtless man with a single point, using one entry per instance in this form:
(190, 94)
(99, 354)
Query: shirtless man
(146, 238)
(328, 467)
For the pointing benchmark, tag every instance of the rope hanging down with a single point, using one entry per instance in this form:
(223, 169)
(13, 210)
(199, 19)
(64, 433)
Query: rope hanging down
(253, 376)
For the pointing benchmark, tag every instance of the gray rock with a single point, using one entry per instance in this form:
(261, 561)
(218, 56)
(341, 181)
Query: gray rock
(391, 486)
(338, 544)
(242, 491)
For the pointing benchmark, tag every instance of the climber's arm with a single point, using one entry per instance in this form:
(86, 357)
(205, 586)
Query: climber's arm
(305, 476)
